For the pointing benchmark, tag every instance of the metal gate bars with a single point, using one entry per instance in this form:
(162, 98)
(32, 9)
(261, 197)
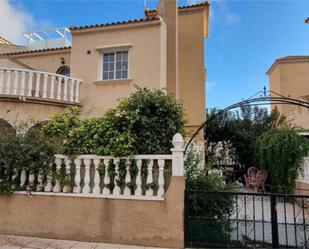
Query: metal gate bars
(215, 219)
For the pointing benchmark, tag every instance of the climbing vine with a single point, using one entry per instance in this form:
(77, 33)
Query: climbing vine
(280, 151)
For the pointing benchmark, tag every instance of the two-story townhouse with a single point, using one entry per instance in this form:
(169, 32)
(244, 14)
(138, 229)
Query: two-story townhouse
(105, 62)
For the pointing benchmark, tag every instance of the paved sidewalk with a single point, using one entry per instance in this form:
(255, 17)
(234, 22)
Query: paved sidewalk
(18, 242)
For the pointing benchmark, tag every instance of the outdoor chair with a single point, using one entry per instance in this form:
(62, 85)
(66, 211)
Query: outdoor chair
(256, 181)
(251, 175)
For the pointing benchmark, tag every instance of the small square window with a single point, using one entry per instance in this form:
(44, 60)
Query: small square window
(115, 65)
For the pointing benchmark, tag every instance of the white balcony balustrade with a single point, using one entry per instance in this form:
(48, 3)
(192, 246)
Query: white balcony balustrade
(138, 177)
(29, 84)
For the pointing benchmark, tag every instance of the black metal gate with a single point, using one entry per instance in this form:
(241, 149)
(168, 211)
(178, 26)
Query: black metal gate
(241, 219)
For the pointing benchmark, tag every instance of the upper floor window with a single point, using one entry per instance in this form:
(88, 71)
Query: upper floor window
(115, 65)
(64, 70)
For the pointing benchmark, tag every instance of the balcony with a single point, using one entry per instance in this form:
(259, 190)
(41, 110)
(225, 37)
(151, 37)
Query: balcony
(49, 38)
(36, 86)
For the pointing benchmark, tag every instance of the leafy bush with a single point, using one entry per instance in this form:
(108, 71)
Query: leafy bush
(280, 151)
(209, 210)
(60, 127)
(198, 178)
(144, 123)
(5, 127)
(23, 151)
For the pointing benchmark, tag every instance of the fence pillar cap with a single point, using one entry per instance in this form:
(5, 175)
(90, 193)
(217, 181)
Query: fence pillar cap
(177, 155)
(178, 142)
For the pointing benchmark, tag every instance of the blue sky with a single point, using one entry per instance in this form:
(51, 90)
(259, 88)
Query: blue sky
(245, 36)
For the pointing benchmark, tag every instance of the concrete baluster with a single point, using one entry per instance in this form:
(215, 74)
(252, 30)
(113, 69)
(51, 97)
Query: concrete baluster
(106, 190)
(127, 190)
(149, 181)
(96, 188)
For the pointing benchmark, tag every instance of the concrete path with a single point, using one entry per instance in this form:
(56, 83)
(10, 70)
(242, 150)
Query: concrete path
(18, 242)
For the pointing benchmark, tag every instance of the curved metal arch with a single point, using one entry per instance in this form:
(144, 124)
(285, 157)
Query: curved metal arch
(253, 101)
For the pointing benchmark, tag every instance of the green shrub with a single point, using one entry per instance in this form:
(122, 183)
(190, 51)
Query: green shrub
(59, 128)
(209, 211)
(197, 176)
(144, 123)
(24, 151)
(280, 151)
(153, 118)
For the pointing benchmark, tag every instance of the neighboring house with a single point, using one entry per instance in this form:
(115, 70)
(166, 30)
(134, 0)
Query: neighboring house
(289, 76)
(105, 62)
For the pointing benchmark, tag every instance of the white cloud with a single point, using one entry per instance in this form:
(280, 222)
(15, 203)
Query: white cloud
(231, 18)
(14, 20)
(223, 13)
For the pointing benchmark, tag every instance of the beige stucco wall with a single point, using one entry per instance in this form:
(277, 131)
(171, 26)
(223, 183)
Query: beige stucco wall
(6, 62)
(274, 84)
(10, 48)
(301, 117)
(146, 52)
(168, 10)
(291, 80)
(136, 222)
(45, 61)
(17, 112)
(192, 66)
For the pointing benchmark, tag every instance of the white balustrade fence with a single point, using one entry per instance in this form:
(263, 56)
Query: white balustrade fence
(34, 84)
(136, 177)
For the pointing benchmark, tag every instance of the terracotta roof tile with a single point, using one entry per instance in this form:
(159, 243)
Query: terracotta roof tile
(36, 51)
(293, 57)
(148, 19)
(205, 3)
(112, 24)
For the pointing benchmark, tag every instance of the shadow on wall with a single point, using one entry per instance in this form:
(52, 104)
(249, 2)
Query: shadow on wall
(6, 127)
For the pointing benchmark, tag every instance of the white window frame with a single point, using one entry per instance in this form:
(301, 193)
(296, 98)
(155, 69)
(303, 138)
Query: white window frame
(115, 65)
(113, 49)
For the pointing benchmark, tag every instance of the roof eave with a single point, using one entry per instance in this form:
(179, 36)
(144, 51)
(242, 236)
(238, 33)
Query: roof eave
(285, 60)
(201, 6)
(117, 25)
(272, 67)
(36, 52)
